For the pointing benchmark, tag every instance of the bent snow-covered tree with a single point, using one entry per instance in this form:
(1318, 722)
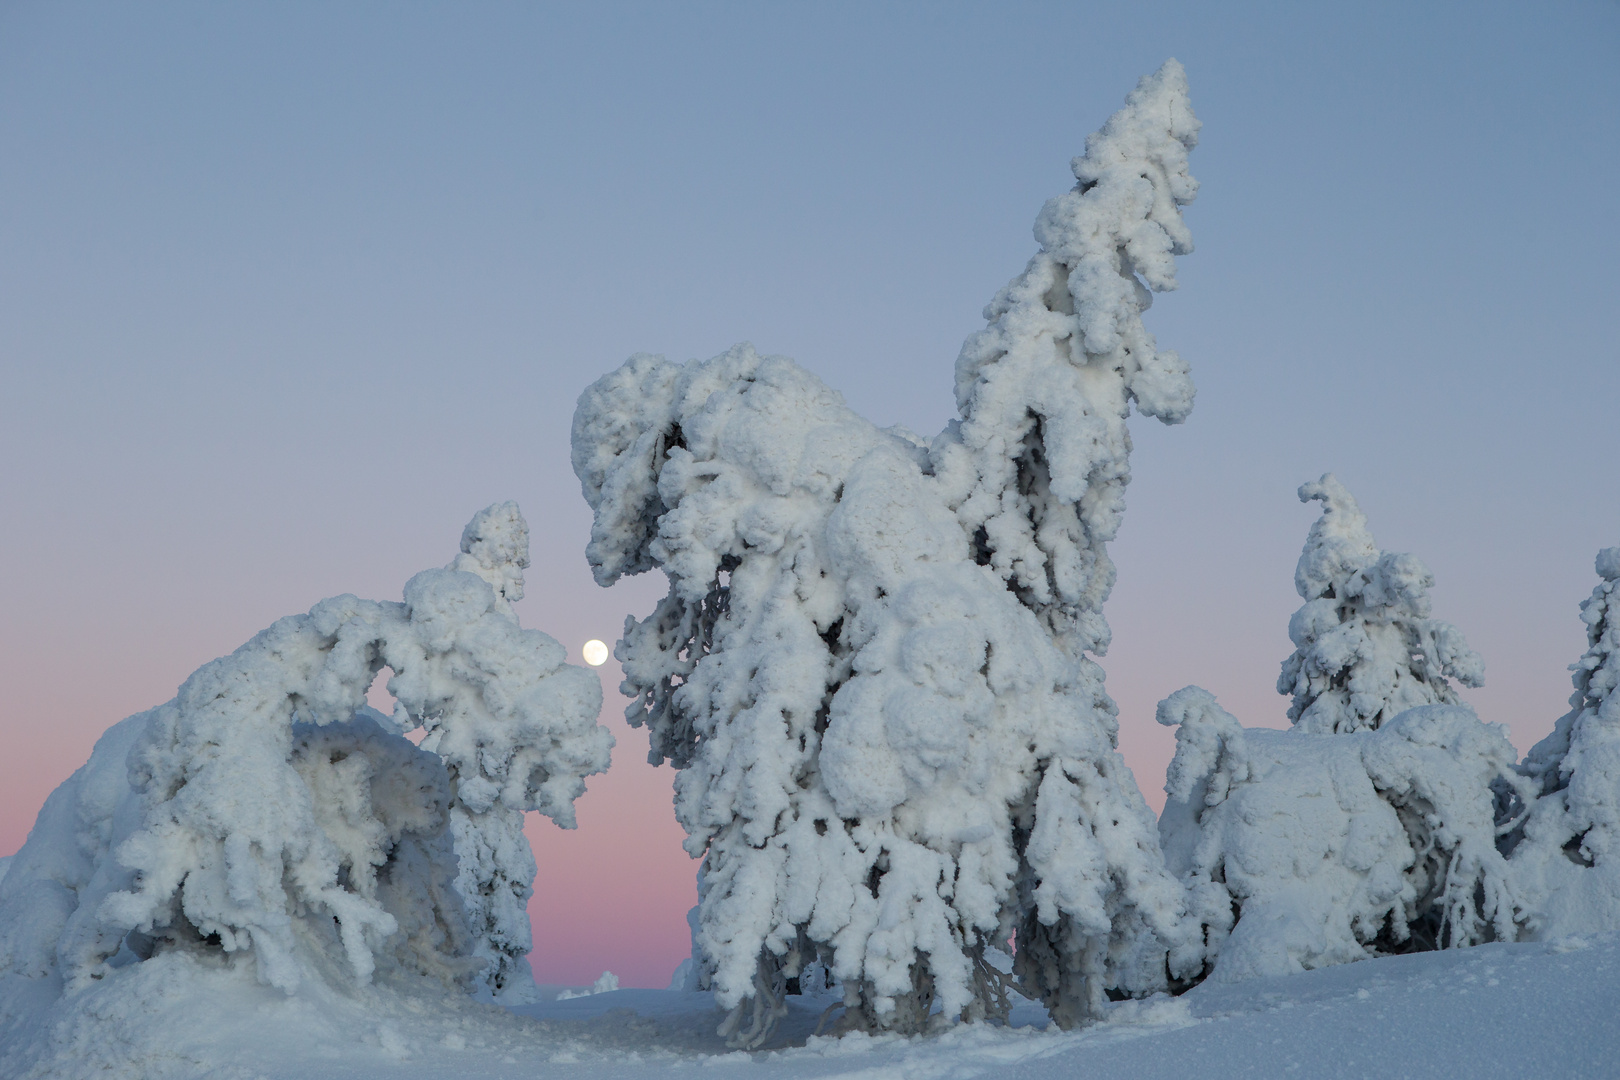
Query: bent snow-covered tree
(267, 810)
(870, 668)
(1568, 857)
(1365, 647)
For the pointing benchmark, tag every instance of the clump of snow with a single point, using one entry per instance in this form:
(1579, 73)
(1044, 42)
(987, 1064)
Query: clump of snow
(1305, 850)
(890, 760)
(1365, 647)
(266, 810)
(606, 983)
(1568, 858)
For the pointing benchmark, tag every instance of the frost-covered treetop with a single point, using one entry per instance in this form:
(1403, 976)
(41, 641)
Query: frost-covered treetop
(1365, 647)
(1037, 467)
(495, 546)
(1595, 676)
(1339, 543)
(1597, 673)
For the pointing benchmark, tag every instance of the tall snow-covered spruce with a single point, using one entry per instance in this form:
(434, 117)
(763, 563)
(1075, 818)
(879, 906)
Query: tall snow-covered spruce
(1568, 858)
(267, 810)
(1365, 648)
(871, 666)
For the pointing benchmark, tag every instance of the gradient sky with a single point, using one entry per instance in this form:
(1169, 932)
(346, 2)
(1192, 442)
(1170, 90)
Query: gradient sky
(288, 291)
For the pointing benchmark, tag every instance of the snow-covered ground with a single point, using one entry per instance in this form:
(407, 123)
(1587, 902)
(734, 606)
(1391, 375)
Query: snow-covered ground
(1522, 1010)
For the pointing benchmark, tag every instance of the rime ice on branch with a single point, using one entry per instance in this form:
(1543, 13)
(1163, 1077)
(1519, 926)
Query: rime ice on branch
(1365, 647)
(267, 809)
(890, 761)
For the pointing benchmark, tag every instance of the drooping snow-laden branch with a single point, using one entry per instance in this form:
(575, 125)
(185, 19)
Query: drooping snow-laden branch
(266, 807)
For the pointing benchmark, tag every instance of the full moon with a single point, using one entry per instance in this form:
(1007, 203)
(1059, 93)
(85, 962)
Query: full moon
(596, 653)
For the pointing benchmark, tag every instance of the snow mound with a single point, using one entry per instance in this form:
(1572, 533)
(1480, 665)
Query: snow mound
(1301, 851)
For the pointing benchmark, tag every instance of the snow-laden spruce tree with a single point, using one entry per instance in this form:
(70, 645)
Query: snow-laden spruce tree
(1365, 647)
(1037, 466)
(1303, 850)
(870, 668)
(1371, 826)
(266, 810)
(1568, 857)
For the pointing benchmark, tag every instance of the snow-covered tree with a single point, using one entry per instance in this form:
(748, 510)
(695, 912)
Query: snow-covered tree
(870, 667)
(1568, 858)
(1037, 467)
(1365, 647)
(1304, 850)
(266, 809)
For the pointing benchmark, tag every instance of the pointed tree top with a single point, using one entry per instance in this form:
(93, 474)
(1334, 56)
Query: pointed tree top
(1339, 543)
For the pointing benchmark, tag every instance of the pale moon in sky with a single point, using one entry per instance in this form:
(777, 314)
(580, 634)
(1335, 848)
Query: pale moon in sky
(596, 653)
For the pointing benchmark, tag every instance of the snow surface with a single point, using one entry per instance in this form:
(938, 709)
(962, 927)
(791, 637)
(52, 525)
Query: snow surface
(1524, 1010)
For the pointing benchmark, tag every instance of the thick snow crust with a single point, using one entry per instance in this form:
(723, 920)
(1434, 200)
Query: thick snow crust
(871, 666)
(267, 811)
(1365, 647)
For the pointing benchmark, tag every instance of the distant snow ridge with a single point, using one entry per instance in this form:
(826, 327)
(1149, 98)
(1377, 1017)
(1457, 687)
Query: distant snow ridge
(870, 667)
(267, 809)
(1568, 856)
(1366, 648)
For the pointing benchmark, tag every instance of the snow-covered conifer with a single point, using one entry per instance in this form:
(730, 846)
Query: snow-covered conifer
(1365, 647)
(1304, 850)
(267, 809)
(1037, 467)
(890, 760)
(1568, 859)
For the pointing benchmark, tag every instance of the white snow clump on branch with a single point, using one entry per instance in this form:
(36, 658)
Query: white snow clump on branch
(870, 665)
(267, 809)
(1305, 850)
(1365, 647)
(1568, 859)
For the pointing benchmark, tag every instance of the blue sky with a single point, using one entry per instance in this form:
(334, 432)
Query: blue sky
(287, 292)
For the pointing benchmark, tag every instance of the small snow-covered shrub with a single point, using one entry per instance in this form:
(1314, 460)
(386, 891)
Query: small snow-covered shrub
(1568, 856)
(871, 666)
(266, 808)
(1303, 850)
(1365, 647)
